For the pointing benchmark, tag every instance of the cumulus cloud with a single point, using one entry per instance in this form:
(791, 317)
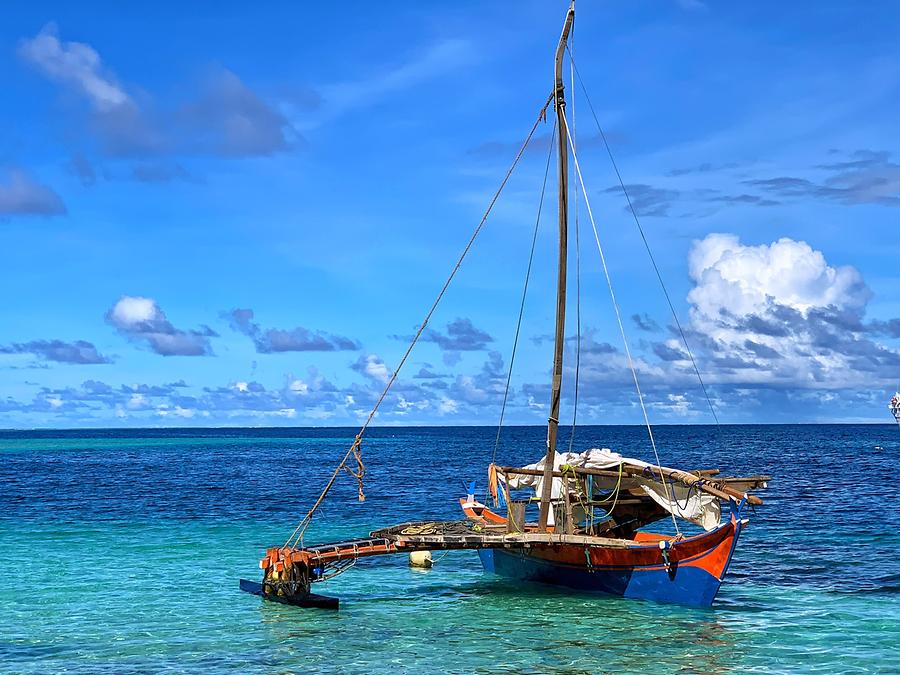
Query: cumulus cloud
(78, 352)
(781, 314)
(670, 350)
(777, 332)
(299, 339)
(142, 320)
(21, 194)
(731, 278)
(373, 367)
(224, 118)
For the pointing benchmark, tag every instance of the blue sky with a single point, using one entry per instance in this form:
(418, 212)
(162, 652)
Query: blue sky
(227, 215)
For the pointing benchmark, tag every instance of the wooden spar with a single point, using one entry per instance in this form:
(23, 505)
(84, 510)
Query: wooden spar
(719, 489)
(553, 421)
(685, 478)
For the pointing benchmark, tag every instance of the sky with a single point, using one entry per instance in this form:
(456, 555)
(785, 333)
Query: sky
(218, 214)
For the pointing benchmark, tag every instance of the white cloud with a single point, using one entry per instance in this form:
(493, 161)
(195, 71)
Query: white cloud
(142, 319)
(76, 65)
(745, 280)
(177, 411)
(137, 401)
(447, 406)
(299, 387)
(778, 313)
(372, 366)
(131, 310)
(224, 117)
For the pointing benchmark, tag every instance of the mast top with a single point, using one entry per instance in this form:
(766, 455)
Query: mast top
(560, 50)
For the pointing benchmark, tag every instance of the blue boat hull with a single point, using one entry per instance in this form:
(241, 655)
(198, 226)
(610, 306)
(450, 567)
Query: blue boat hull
(692, 581)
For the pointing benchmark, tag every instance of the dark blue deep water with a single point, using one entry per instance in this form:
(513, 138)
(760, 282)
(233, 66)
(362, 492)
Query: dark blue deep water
(121, 551)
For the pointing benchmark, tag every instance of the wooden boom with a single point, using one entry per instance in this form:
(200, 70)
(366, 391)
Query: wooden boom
(717, 488)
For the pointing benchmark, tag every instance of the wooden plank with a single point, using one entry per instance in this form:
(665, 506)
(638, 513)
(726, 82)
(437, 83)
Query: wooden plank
(496, 540)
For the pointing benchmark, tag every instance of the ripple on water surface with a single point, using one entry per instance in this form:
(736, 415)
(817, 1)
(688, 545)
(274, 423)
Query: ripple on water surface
(126, 548)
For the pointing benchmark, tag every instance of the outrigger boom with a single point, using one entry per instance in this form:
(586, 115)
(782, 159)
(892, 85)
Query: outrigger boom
(289, 572)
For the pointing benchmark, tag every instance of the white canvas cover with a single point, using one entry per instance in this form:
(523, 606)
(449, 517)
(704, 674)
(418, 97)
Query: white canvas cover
(692, 505)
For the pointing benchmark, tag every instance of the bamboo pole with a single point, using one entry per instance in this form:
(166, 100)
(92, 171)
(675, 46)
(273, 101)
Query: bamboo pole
(559, 342)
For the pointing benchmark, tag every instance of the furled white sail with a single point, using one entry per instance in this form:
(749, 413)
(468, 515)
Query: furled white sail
(682, 501)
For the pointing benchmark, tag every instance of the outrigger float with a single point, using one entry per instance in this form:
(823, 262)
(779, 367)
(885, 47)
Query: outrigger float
(591, 507)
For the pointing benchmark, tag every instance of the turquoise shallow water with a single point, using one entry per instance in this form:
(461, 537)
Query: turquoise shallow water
(121, 552)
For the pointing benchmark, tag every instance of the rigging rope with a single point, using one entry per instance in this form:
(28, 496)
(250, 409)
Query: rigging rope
(512, 357)
(612, 295)
(297, 534)
(577, 255)
(640, 228)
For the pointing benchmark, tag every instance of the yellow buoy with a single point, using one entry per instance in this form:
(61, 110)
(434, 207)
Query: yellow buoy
(421, 559)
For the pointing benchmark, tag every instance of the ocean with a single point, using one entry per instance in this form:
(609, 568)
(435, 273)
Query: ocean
(121, 551)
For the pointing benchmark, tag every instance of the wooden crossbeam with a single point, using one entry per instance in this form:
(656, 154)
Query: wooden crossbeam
(717, 488)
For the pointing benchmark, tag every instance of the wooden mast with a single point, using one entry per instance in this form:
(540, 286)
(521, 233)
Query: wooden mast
(553, 421)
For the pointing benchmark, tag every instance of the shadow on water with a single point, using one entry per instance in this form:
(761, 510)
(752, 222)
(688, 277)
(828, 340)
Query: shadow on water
(493, 622)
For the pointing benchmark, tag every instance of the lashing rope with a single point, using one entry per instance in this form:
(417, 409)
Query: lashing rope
(577, 252)
(615, 304)
(637, 222)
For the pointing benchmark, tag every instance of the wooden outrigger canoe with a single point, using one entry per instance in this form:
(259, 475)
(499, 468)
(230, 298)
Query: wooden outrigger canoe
(614, 558)
(589, 530)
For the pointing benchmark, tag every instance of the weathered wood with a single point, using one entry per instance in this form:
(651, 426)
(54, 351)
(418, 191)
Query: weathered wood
(515, 517)
(514, 540)
(718, 488)
(742, 484)
(559, 340)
